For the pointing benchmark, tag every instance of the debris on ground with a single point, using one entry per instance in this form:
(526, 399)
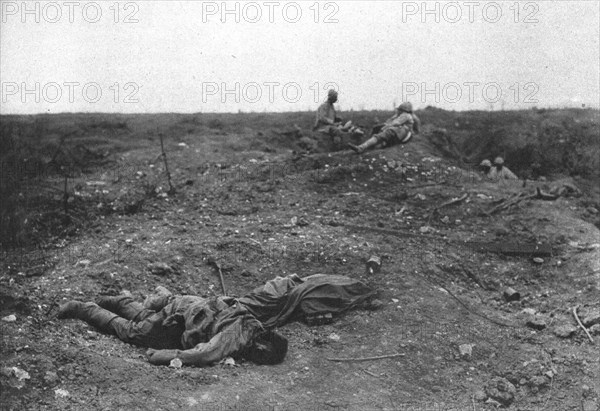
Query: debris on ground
(160, 268)
(9, 318)
(501, 390)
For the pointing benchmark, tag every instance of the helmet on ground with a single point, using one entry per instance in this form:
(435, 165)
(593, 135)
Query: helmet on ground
(499, 161)
(406, 106)
(268, 348)
(486, 163)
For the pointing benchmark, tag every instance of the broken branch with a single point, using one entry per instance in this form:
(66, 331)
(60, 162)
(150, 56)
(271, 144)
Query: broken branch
(453, 201)
(580, 324)
(164, 156)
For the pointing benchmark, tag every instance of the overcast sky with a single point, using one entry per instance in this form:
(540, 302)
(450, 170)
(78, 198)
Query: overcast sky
(187, 56)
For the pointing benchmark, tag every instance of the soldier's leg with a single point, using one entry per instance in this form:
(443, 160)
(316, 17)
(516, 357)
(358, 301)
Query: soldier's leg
(152, 332)
(89, 312)
(385, 136)
(336, 137)
(404, 135)
(148, 333)
(125, 307)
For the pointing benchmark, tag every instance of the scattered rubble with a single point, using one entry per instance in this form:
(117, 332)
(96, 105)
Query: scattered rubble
(466, 351)
(160, 268)
(501, 390)
(9, 318)
(536, 323)
(511, 295)
(564, 331)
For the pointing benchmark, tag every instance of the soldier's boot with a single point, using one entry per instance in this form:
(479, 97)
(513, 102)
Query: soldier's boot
(91, 313)
(361, 148)
(125, 307)
(70, 309)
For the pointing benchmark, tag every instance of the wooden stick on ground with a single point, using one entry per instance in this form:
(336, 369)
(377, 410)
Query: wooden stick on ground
(580, 324)
(511, 202)
(213, 261)
(453, 201)
(379, 357)
(164, 156)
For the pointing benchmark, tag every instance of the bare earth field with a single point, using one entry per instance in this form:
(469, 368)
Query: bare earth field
(249, 194)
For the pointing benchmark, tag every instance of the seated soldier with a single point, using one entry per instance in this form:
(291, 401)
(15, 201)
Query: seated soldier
(485, 167)
(500, 172)
(398, 129)
(328, 123)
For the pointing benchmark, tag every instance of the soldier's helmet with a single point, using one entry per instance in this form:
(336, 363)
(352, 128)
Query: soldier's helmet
(499, 161)
(406, 106)
(332, 93)
(486, 163)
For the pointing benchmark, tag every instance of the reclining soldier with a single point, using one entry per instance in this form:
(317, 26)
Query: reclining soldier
(398, 129)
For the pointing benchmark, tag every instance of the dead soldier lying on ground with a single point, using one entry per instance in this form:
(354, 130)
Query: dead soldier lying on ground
(201, 331)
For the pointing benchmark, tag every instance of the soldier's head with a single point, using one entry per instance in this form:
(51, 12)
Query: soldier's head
(405, 107)
(332, 96)
(486, 166)
(268, 348)
(499, 163)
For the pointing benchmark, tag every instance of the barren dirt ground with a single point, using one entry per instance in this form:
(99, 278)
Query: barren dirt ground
(264, 211)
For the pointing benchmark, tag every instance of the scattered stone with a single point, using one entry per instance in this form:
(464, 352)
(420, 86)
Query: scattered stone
(536, 324)
(376, 304)
(60, 393)
(565, 331)
(420, 197)
(9, 318)
(549, 374)
(426, 229)
(511, 295)
(501, 390)
(480, 396)
(502, 232)
(529, 311)
(160, 268)
(494, 403)
(16, 376)
(50, 377)
(589, 405)
(334, 337)
(20, 374)
(591, 318)
(538, 381)
(592, 210)
(538, 260)
(83, 263)
(585, 390)
(247, 273)
(466, 350)
(176, 363)
(302, 222)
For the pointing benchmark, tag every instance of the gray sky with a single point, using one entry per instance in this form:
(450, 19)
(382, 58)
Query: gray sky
(179, 56)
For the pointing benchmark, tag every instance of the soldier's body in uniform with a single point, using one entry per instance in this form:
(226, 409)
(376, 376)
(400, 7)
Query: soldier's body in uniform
(500, 172)
(398, 129)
